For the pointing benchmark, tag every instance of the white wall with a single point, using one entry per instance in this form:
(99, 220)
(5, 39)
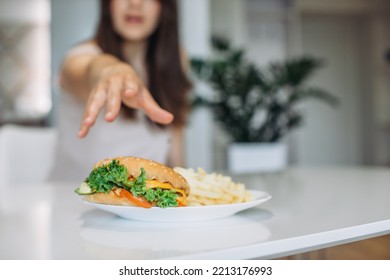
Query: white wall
(228, 19)
(379, 68)
(267, 30)
(195, 37)
(333, 135)
(372, 117)
(72, 22)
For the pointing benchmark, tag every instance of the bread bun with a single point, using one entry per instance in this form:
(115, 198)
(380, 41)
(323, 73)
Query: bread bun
(154, 171)
(108, 198)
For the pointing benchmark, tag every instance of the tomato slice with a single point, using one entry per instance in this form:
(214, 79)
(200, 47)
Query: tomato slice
(137, 200)
(181, 201)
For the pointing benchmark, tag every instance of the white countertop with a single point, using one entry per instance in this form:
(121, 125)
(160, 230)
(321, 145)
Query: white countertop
(309, 209)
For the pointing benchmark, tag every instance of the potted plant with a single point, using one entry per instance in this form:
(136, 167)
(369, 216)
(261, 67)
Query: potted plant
(256, 107)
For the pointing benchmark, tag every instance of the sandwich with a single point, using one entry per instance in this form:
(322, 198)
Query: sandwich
(134, 181)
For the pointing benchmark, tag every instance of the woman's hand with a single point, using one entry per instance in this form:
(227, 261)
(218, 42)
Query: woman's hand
(119, 84)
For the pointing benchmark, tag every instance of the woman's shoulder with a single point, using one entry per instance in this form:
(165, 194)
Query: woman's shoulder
(86, 47)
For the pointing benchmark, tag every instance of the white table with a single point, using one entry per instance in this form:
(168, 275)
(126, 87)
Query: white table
(310, 209)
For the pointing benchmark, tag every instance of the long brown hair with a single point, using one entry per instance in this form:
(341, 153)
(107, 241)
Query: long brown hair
(167, 81)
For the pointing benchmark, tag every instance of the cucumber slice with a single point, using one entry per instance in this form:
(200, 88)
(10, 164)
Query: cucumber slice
(84, 189)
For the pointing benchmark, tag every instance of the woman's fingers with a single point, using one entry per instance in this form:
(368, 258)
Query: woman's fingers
(138, 97)
(131, 87)
(95, 103)
(112, 93)
(114, 99)
(152, 109)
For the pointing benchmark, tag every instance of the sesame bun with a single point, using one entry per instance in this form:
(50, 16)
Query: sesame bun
(109, 198)
(154, 171)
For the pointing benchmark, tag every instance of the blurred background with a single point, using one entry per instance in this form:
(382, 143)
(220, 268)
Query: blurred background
(351, 36)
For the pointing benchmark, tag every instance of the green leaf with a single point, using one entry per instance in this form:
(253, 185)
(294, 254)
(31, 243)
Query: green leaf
(220, 43)
(105, 177)
(315, 93)
(163, 198)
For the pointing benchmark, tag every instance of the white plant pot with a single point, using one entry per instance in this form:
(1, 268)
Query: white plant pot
(257, 157)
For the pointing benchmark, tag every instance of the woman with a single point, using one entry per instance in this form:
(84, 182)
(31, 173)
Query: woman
(132, 70)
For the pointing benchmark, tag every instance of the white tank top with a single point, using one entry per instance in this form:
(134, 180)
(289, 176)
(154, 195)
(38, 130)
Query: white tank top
(123, 137)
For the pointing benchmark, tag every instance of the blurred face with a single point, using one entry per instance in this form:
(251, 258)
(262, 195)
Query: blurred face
(135, 20)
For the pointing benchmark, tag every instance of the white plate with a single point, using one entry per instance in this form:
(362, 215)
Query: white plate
(183, 214)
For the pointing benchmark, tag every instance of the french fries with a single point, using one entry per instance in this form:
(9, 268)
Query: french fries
(212, 189)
